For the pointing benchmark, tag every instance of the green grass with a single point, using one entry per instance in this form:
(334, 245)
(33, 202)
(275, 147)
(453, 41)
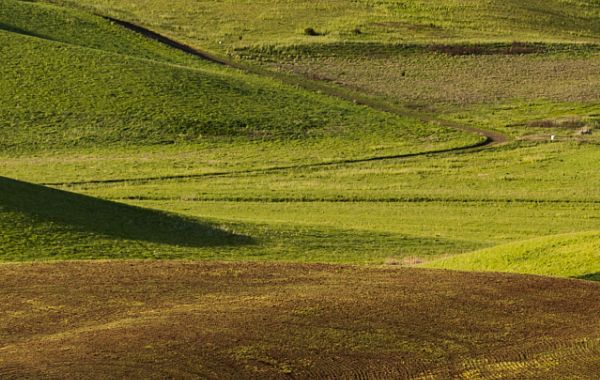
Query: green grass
(81, 29)
(225, 25)
(39, 223)
(571, 255)
(395, 232)
(516, 172)
(148, 153)
(102, 107)
(537, 119)
(385, 211)
(527, 96)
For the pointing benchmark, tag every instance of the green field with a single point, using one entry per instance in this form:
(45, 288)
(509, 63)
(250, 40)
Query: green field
(134, 121)
(398, 142)
(109, 95)
(570, 255)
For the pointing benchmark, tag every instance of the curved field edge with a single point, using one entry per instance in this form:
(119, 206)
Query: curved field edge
(193, 319)
(76, 28)
(567, 255)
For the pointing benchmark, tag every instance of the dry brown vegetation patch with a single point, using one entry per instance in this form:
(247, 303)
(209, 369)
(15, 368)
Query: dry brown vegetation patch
(565, 123)
(516, 48)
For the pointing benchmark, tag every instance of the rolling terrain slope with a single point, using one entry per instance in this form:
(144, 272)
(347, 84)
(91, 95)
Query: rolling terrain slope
(130, 162)
(571, 255)
(155, 154)
(210, 320)
(40, 223)
(94, 90)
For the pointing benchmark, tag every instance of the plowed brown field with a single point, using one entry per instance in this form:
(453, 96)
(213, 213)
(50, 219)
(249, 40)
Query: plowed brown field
(174, 319)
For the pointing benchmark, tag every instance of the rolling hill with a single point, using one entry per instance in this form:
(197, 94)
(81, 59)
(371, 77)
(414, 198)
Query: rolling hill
(73, 80)
(569, 255)
(337, 132)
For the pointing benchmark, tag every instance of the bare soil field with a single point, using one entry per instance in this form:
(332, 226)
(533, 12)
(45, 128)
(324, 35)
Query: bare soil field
(181, 319)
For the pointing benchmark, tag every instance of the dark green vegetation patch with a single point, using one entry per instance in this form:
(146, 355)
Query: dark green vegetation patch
(42, 223)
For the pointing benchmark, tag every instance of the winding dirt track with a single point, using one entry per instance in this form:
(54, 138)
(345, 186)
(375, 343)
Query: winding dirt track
(490, 138)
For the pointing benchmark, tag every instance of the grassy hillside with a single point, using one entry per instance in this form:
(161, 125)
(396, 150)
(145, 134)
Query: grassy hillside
(571, 255)
(72, 80)
(75, 28)
(518, 172)
(84, 98)
(528, 91)
(154, 154)
(214, 320)
(40, 223)
(224, 25)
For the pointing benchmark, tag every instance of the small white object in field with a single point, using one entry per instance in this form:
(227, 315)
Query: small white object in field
(552, 137)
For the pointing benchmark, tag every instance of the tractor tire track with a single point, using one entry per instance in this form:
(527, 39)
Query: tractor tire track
(528, 364)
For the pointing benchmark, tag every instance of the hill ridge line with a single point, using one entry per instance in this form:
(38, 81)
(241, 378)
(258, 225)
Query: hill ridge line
(493, 137)
(113, 53)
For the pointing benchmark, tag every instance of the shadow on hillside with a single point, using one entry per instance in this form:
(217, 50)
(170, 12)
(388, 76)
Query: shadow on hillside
(590, 277)
(86, 214)
(14, 29)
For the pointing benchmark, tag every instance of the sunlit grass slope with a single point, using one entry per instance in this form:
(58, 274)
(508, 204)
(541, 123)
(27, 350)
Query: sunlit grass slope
(99, 88)
(80, 29)
(40, 223)
(86, 100)
(232, 23)
(569, 255)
